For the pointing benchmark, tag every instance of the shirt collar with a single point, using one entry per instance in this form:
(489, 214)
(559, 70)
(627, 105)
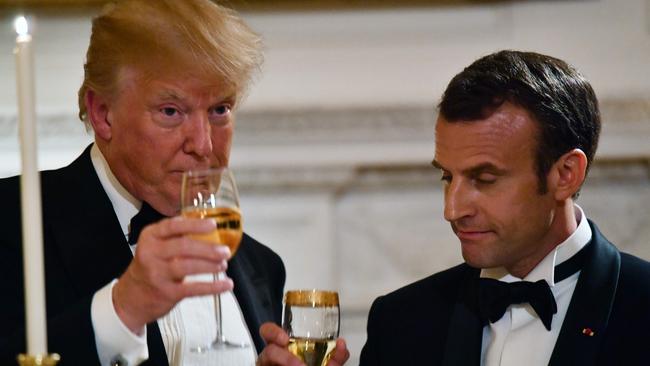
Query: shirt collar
(125, 205)
(545, 270)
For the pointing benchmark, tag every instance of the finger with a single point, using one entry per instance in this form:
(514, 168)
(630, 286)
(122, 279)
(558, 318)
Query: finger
(179, 268)
(340, 354)
(186, 247)
(272, 333)
(276, 355)
(179, 226)
(199, 288)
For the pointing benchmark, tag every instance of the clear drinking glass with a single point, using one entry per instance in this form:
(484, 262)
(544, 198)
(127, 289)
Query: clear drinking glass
(212, 193)
(311, 319)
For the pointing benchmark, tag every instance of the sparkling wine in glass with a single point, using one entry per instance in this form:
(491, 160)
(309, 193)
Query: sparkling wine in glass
(311, 319)
(212, 194)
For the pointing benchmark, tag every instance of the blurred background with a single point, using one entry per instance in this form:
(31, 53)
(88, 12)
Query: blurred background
(334, 143)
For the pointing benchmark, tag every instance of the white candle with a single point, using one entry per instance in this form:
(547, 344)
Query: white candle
(30, 195)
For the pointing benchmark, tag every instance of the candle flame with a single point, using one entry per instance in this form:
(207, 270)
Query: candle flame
(21, 26)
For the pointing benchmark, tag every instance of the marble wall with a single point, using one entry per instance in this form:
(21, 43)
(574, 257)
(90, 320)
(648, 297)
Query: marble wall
(333, 145)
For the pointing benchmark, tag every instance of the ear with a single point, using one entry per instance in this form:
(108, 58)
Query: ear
(99, 114)
(567, 174)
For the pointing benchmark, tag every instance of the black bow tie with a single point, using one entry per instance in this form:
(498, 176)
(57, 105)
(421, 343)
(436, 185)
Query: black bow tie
(147, 215)
(495, 296)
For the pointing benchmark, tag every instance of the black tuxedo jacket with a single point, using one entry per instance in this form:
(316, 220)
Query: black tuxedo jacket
(432, 322)
(84, 249)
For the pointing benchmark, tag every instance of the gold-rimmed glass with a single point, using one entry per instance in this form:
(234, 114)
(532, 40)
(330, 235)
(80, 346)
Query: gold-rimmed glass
(212, 193)
(311, 318)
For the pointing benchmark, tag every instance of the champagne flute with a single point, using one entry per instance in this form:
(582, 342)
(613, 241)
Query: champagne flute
(311, 319)
(212, 193)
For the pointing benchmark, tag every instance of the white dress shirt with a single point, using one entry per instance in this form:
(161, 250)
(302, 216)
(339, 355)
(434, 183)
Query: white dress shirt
(189, 324)
(519, 337)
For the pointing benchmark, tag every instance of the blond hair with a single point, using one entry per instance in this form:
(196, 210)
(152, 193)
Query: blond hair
(156, 36)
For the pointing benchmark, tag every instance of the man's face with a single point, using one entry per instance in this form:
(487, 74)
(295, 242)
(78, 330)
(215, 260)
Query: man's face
(491, 190)
(162, 127)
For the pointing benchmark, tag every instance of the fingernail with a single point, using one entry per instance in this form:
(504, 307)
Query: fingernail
(222, 249)
(223, 266)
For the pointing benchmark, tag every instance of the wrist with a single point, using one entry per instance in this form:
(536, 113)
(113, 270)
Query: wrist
(122, 310)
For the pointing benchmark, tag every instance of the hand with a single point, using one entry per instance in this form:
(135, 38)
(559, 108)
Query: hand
(340, 354)
(154, 281)
(276, 354)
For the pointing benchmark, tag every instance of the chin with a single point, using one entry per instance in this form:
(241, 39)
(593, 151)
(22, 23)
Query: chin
(474, 260)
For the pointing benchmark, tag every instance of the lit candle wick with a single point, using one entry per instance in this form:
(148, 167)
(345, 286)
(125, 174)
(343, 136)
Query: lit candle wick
(21, 25)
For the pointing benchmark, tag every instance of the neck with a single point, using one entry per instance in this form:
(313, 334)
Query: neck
(563, 224)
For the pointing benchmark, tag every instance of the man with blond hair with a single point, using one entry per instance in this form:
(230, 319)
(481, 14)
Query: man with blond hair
(162, 79)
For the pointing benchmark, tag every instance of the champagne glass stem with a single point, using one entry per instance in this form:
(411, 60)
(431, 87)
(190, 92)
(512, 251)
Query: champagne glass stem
(217, 314)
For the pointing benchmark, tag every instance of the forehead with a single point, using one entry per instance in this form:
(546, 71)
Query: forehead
(505, 138)
(162, 84)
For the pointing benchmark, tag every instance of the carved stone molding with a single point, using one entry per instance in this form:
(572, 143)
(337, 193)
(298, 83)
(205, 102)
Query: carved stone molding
(396, 123)
(330, 148)
(342, 125)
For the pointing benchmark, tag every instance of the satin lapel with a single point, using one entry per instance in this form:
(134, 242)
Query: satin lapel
(90, 241)
(250, 293)
(465, 332)
(590, 305)
(84, 227)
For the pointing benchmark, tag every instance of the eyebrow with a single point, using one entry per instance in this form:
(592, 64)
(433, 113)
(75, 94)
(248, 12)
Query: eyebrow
(475, 170)
(170, 94)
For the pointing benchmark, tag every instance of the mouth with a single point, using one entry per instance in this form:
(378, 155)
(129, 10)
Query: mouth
(182, 171)
(470, 234)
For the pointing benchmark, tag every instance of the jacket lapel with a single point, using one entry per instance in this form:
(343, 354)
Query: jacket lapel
(249, 292)
(88, 237)
(590, 305)
(465, 333)
(90, 241)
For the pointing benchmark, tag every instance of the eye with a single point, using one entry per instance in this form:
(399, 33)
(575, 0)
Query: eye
(220, 114)
(169, 111)
(168, 115)
(485, 179)
(445, 177)
(220, 110)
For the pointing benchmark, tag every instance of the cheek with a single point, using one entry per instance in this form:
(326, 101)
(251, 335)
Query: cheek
(509, 209)
(222, 140)
(528, 215)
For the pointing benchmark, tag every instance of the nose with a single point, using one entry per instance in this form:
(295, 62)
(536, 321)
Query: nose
(198, 139)
(458, 201)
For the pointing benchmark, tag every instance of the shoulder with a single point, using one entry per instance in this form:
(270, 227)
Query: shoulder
(52, 181)
(635, 275)
(257, 249)
(10, 214)
(422, 310)
(439, 289)
(9, 186)
(10, 189)
(261, 256)
(634, 264)
(444, 281)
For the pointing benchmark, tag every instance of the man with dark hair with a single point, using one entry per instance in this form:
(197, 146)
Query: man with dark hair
(516, 134)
